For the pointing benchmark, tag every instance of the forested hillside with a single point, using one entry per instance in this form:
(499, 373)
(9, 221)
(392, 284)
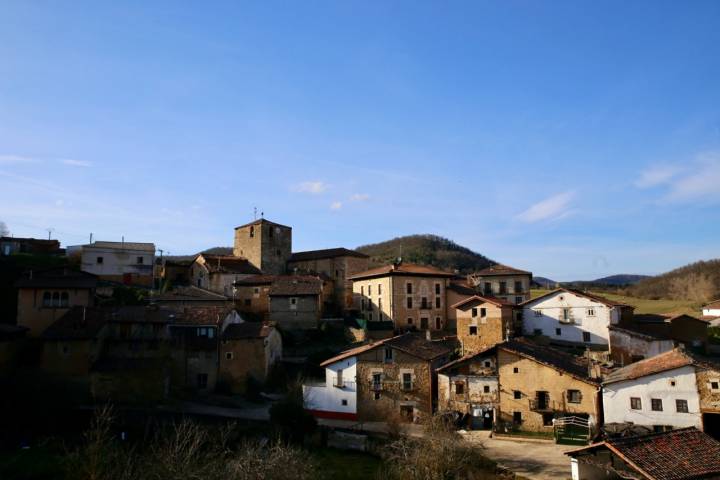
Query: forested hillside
(698, 282)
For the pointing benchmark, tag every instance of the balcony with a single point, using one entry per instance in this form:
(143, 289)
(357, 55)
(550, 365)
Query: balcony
(345, 384)
(542, 405)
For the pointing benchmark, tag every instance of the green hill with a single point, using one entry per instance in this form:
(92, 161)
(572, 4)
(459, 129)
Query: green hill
(698, 282)
(427, 250)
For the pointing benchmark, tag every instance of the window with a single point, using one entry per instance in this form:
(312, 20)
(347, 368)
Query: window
(140, 260)
(362, 290)
(270, 232)
(715, 385)
(635, 403)
(474, 312)
(252, 231)
(503, 288)
(516, 370)
(518, 299)
(377, 396)
(574, 396)
(423, 323)
(487, 363)
(99, 260)
(278, 253)
(558, 331)
(424, 303)
(438, 323)
(248, 302)
(586, 337)
(486, 389)
(437, 289)
(380, 304)
(408, 288)
(590, 312)
(472, 330)
(537, 313)
(47, 299)
(362, 304)
(56, 299)
(437, 302)
(487, 288)
(369, 290)
(517, 418)
(483, 312)
(548, 419)
(370, 319)
(537, 331)
(656, 404)
(293, 303)
(343, 402)
(407, 381)
(228, 355)
(379, 288)
(566, 314)
(459, 388)
(409, 302)
(681, 406)
(517, 394)
(337, 273)
(410, 321)
(202, 379)
(673, 383)
(388, 354)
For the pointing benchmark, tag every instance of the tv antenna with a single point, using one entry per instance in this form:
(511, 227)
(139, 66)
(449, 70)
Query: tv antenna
(50, 230)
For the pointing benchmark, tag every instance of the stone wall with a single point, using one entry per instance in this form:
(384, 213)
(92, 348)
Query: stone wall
(491, 329)
(265, 244)
(304, 316)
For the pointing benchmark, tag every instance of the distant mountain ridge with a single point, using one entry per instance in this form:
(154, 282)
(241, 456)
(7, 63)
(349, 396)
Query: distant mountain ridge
(615, 281)
(427, 250)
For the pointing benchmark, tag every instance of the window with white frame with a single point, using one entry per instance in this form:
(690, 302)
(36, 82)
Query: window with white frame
(590, 312)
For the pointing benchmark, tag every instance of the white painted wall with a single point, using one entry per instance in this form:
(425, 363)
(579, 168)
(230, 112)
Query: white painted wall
(616, 399)
(116, 261)
(550, 311)
(711, 312)
(328, 397)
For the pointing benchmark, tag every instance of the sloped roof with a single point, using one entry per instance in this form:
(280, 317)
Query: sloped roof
(554, 358)
(139, 246)
(715, 304)
(402, 269)
(650, 366)
(229, 264)
(261, 221)
(461, 287)
(326, 253)
(481, 299)
(591, 296)
(78, 323)
(203, 315)
(681, 454)
(58, 277)
(191, 293)
(296, 286)
(411, 343)
(239, 331)
(634, 331)
(500, 269)
(468, 357)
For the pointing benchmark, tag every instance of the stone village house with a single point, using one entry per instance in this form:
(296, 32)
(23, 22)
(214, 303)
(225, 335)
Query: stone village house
(129, 263)
(392, 377)
(503, 282)
(411, 296)
(247, 350)
(483, 322)
(217, 273)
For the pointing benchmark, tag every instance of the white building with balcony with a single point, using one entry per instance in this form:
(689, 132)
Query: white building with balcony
(571, 316)
(336, 398)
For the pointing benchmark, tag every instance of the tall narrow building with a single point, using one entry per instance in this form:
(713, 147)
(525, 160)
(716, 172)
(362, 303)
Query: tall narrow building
(266, 245)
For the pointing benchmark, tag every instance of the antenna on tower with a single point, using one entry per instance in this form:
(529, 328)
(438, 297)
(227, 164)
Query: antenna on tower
(50, 230)
(254, 213)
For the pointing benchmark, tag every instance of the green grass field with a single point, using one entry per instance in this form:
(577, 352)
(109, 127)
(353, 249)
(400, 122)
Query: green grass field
(642, 305)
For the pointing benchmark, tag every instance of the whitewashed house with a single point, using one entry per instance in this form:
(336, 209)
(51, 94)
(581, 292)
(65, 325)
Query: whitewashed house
(130, 263)
(659, 392)
(336, 398)
(571, 316)
(711, 313)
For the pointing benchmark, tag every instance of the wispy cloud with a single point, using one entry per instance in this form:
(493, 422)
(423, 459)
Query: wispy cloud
(552, 208)
(359, 197)
(314, 187)
(657, 175)
(11, 159)
(336, 206)
(75, 163)
(693, 181)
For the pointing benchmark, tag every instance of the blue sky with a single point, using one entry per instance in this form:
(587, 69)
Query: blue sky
(575, 139)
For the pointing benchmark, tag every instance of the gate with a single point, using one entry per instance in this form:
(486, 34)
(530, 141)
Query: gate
(572, 430)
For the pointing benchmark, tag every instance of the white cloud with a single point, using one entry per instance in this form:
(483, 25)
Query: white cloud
(9, 159)
(75, 163)
(314, 187)
(336, 206)
(701, 183)
(552, 208)
(359, 197)
(657, 175)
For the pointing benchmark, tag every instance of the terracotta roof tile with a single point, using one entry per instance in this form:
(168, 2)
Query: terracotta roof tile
(402, 269)
(500, 270)
(411, 343)
(571, 364)
(649, 366)
(481, 299)
(296, 286)
(238, 331)
(591, 296)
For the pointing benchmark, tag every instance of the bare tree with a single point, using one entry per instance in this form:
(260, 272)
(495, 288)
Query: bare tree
(4, 232)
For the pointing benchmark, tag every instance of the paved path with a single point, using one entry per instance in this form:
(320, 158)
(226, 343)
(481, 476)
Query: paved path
(534, 460)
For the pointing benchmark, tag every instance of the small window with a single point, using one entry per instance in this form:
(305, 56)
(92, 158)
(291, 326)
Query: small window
(409, 302)
(252, 231)
(715, 385)
(590, 312)
(537, 331)
(548, 419)
(574, 396)
(388, 354)
(64, 300)
(270, 232)
(486, 389)
(370, 317)
(518, 299)
(377, 396)
(410, 321)
(438, 323)
(47, 299)
(140, 260)
(537, 313)
(56, 299)
(379, 288)
(483, 312)
(99, 260)
(369, 290)
(337, 273)
(362, 304)
(517, 394)
(362, 290)
(278, 253)
(343, 402)
(673, 383)
(293, 301)
(407, 381)
(586, 337)
(487, 363)
(558, 331)
(681, 406)
(229, 355)
(459, 388)
(472, 330)
(408, 288)
(437, 289)
(656, 404)
(474, 312)
(635, 403)
(518, 287)
(437, 302)
(517, 418)
(516, 370)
